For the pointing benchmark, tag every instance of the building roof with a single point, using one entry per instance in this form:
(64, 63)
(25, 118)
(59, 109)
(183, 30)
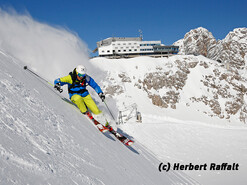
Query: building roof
(108, 41)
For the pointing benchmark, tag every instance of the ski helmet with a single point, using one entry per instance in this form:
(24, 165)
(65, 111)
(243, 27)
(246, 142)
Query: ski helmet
(81, 70)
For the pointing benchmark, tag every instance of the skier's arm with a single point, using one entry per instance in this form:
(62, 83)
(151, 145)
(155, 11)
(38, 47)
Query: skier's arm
(94, 85)
(64, 80)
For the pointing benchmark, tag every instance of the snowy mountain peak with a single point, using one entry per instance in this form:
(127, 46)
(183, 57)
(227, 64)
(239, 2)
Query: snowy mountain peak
(198, 41)
(232, 49)
(238, 34)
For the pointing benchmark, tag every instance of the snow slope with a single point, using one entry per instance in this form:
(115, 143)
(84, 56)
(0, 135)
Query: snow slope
(45, 140)
(183, 135)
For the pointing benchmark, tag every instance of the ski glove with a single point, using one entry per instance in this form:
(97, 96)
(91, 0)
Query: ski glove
(102, 96)
(58, 87)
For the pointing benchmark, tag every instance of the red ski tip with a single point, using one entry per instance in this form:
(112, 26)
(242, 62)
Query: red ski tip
(104, 130)
(130, 143)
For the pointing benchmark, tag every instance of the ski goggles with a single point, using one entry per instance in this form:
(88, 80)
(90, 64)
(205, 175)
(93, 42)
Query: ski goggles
(80, 75)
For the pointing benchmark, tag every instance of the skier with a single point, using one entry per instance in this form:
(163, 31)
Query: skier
(77, 82)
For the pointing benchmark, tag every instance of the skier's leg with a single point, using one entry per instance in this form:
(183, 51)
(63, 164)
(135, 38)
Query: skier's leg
(91, 104)
(98, 114)
(78, 100)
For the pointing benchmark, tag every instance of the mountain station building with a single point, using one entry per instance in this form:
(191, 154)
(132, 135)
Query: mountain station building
(116, 47)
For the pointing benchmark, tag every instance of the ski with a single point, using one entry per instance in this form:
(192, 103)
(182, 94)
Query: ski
(101, 127)
(120, 137)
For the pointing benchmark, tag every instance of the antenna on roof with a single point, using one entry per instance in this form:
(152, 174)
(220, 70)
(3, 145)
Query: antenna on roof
(141, 35)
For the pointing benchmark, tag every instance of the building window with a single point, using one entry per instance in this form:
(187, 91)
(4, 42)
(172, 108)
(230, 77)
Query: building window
(108, 51)
(119, 50)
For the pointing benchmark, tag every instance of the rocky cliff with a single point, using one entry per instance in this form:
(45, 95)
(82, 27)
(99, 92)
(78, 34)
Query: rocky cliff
(232, 50)
(195, 83)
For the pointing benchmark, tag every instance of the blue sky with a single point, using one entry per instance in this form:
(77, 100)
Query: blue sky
(163, 20)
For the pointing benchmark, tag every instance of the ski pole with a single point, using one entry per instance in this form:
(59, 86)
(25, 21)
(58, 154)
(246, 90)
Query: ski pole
(110, 112)
(25, 67)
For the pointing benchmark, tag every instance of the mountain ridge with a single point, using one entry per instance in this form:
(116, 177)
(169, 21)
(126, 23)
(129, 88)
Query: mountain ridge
(232, 49)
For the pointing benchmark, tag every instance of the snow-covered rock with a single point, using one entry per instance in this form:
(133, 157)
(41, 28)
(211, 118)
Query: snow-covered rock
(198, 42)
(177, 81)
(232, 49)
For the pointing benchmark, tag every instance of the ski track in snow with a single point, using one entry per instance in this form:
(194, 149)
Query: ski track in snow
(18, 126)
